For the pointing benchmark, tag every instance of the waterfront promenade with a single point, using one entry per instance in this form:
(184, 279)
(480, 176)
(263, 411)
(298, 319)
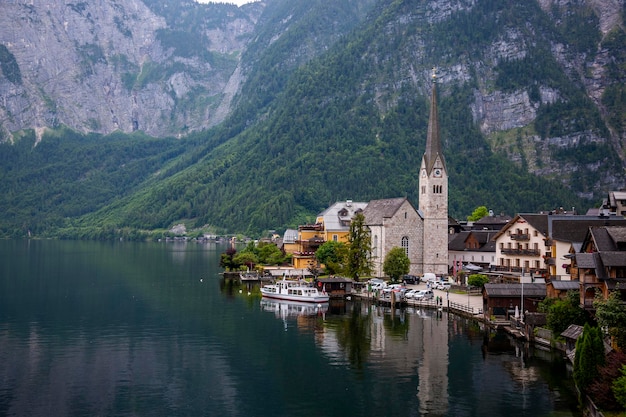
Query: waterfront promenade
(457, 300)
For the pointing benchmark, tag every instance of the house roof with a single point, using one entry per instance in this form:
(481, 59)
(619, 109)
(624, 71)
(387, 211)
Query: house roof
(619, 195)
(573, 332)
(483, 237)
(378, 210)
(457, 241)
(496, 222)
(565, 285)
(613, 259)
(336, 279)
(339, 215)
(515, 290)
(575, 228)
(586, 260)
(290, 236)
(565, 228)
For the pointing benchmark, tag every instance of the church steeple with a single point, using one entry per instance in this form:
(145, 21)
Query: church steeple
(433, 196)
(433, 143)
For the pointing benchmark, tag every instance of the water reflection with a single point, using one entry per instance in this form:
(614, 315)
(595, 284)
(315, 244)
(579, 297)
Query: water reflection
(129, 329)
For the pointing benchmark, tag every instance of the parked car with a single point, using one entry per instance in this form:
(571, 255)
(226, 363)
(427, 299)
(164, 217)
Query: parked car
(442, 285)
(397, 288)
(410, 294)
(377, 284)
(411, 279)
(423, 295)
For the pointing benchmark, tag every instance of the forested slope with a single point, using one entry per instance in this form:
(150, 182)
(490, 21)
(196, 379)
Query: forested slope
(334, 106)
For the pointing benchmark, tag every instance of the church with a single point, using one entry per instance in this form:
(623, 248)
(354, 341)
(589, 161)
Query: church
(394, 222)
(422, 233)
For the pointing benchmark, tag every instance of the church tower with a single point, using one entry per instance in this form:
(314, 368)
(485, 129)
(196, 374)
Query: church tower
(433, 195)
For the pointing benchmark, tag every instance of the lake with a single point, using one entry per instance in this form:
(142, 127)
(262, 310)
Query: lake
(152, 329)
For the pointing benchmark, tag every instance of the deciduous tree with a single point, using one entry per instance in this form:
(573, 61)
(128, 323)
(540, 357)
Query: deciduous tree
(396, 263)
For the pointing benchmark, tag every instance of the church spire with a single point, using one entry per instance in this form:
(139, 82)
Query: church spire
(433, 143)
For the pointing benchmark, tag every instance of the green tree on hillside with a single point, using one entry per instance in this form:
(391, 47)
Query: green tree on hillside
(478, 214)
(358, 262)
(396, 264)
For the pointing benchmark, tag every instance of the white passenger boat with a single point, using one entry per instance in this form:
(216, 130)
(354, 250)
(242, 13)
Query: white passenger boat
(294, 291)
(284, 309)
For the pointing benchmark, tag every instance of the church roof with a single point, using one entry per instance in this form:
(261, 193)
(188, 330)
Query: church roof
(378, 210)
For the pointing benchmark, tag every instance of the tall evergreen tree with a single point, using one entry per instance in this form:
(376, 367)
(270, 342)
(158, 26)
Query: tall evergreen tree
(589, 357)
(359, 263)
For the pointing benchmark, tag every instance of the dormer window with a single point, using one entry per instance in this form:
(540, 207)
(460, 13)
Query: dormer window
(343, 212)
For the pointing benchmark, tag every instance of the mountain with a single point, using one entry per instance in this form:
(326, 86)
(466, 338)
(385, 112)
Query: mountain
(285, 106)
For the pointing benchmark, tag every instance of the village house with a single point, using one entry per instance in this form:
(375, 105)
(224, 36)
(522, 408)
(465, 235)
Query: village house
(540, 244)
(333, 224)
(600, 266)
(613, 205)
(474, 250)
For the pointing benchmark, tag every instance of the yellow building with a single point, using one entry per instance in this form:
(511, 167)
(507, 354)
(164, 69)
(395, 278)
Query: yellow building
(332, 224)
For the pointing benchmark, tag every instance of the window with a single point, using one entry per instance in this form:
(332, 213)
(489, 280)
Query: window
(335, 238)
(405, 245)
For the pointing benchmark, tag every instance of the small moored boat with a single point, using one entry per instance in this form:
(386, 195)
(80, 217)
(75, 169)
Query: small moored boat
(294, 291)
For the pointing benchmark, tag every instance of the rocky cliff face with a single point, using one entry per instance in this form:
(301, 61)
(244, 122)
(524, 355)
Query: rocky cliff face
(108, 65)
(171, 68)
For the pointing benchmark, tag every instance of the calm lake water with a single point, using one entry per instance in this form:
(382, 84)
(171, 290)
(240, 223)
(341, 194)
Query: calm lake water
(150, 329)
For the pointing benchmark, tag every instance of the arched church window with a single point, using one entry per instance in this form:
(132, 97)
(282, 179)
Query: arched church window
(405, 245)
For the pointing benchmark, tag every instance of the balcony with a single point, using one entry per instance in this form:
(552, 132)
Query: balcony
(535, 271)
(520, 236)
(316, 227)
(311, 241)
(303, 254)
(520, 252)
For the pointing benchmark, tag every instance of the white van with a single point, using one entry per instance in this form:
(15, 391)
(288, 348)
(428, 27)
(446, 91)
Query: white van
(429, 277)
